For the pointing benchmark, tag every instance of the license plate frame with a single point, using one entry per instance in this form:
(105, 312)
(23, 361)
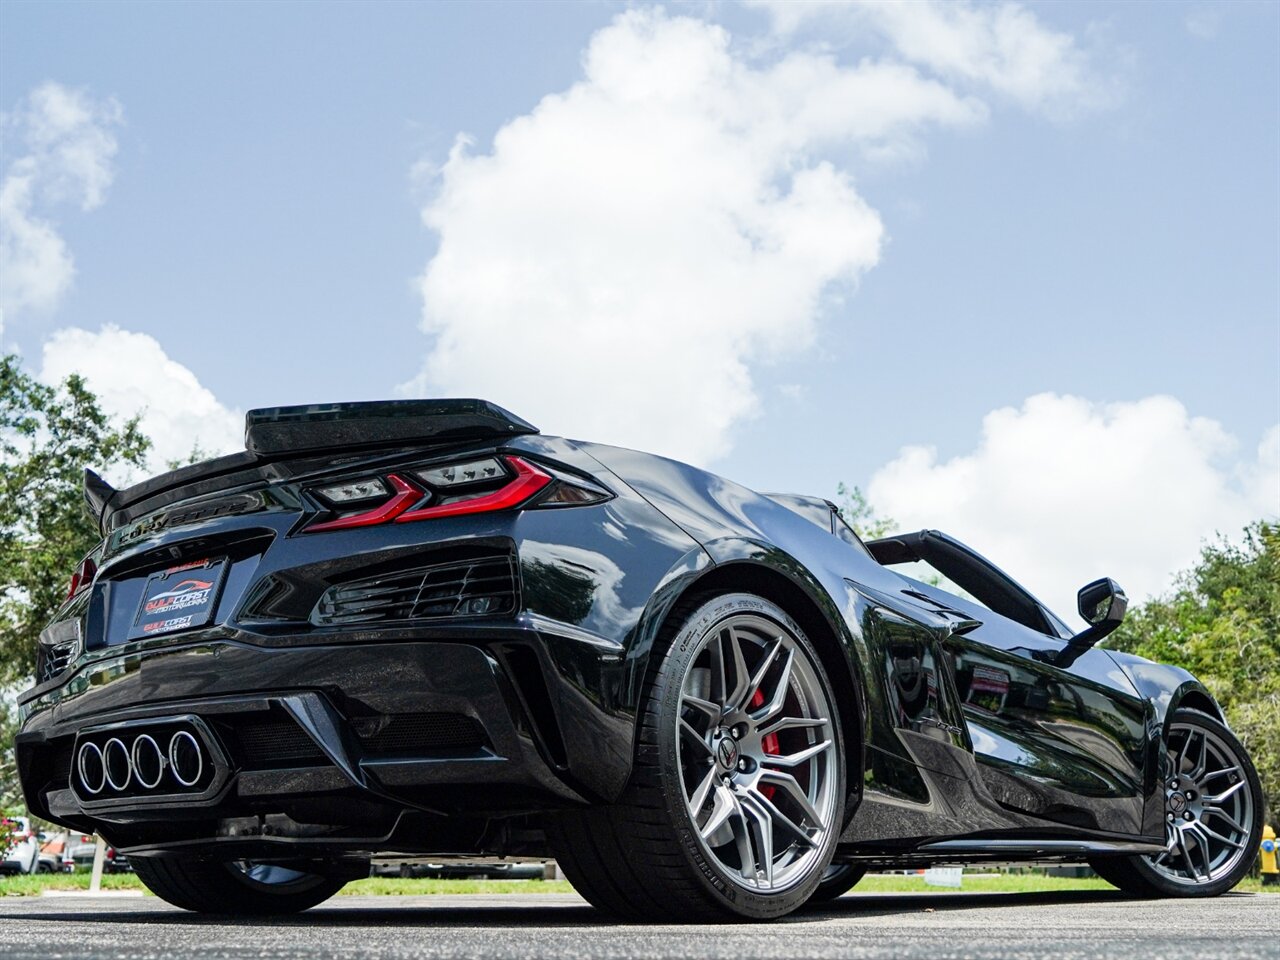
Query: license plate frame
(179, 598)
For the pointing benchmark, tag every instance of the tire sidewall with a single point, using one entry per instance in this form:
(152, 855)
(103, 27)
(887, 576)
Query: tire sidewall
(839, 880)
(676, 659)
(216, 887)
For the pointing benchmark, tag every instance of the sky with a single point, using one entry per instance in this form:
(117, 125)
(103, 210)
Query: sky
(1013, 269)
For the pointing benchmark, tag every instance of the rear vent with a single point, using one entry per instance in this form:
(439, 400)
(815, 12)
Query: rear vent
(53, 659)
(525, 672)
(484, 586)
(410, 734)
(60, 762)
(276, 742)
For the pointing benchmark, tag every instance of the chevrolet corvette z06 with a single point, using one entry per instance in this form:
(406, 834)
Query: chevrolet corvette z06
(423, 630)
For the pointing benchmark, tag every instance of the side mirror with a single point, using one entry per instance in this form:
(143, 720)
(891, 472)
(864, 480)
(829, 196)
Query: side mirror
(1102, 601)
(1102, 604)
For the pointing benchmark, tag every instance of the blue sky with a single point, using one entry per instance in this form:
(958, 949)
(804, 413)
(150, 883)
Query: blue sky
(1112, 239)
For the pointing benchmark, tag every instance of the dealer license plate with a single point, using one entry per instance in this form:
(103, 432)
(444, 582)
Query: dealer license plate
(180, 598)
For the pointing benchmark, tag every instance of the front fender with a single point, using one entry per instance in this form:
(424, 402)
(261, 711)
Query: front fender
(1166, 687)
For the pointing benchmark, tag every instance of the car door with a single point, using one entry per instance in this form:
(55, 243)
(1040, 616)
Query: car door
(1065, 744)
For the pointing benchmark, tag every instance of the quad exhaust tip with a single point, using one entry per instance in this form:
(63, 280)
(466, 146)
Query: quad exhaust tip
(142, 763)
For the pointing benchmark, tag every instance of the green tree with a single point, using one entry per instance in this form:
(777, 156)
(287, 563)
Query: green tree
(48, 435)
(1221, 621)
(859, 514)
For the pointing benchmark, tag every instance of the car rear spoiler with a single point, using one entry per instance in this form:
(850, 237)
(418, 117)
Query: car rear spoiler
(277, 433)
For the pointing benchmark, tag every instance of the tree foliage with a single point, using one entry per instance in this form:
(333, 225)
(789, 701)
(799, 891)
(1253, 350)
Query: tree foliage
(1222, 622)
(48, 435)
(859, 514)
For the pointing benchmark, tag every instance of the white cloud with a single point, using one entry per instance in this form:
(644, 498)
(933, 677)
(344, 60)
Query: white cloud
(1204, 22)
(627, 252)
(131, 374)
(1062, 491)
(1002, 47)
(66, 148)
(614, 266)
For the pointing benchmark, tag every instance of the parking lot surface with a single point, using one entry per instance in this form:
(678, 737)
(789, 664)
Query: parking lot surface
(1065, 926)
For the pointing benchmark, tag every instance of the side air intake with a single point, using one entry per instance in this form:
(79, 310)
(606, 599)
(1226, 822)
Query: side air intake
(477, 587)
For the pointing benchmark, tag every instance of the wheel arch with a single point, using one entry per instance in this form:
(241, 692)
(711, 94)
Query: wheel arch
(1194, 696)
(802, 597)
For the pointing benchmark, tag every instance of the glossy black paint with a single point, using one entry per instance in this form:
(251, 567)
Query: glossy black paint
(968, 736)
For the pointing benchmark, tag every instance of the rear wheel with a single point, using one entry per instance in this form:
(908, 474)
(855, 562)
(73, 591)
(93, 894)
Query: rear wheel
(1213, 816)
(240, 888)
(738, 785)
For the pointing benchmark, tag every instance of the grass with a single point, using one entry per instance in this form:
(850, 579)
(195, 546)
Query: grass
(396, 887)
(37, 883)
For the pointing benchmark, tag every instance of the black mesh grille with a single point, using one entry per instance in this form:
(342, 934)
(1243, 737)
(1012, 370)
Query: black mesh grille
(413, 733)
(276, 742)
(484, 586)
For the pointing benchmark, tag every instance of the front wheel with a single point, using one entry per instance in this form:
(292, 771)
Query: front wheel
(839, 879)
(1213, 816)
(238, 888)
(734, 805)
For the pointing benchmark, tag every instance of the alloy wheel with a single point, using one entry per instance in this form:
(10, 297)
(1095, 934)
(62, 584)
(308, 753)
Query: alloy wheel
(757, 753)
(1208, 808)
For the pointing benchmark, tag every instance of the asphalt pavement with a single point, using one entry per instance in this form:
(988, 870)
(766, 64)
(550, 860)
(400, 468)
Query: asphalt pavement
(1064, 926)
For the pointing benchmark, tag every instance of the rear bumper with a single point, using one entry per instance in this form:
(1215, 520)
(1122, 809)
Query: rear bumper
(471, 723)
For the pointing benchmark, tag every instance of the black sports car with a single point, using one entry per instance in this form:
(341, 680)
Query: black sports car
(422, 629)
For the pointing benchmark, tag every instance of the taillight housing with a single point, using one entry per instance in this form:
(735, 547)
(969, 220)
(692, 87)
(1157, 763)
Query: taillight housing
(82, 578)
(475, 485)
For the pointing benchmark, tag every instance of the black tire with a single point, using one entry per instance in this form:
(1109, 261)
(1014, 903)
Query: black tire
(839, 879)
(206, 886)
(1139, 877)
(641, 858)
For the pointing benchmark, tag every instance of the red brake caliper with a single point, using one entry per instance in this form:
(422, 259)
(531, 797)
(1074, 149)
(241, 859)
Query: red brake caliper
(769, 744)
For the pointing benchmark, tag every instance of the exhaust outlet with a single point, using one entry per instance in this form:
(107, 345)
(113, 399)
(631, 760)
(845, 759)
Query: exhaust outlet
(148, 762)
(93, 772)
(186, 759)
(119, 766)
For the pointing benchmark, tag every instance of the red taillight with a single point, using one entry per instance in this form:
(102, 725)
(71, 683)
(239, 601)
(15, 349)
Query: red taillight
(528, 480)
(82, 578)
(406, 495)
